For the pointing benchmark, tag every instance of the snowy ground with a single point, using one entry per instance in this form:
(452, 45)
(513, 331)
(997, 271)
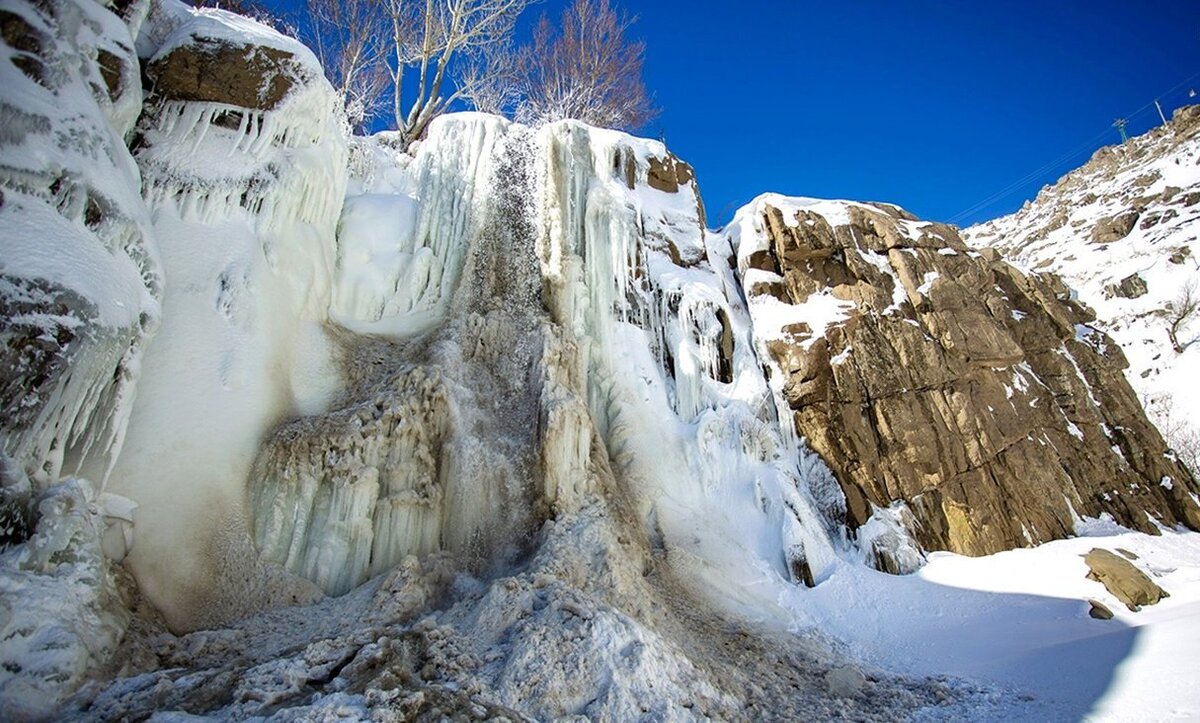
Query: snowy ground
(1019, 620)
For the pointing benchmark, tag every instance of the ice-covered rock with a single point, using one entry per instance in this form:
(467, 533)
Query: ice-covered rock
(80, 279)
(61, 617)
(245, 200)
(488, 428)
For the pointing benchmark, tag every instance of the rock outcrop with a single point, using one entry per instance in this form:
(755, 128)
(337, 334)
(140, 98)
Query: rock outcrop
(926, 373)
(1123, 579)
(1121, 232)
(207, 70)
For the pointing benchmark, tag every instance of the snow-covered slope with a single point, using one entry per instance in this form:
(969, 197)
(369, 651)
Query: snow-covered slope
(1122, 231)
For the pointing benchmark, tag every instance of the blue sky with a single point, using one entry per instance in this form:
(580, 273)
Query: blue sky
(932, 105)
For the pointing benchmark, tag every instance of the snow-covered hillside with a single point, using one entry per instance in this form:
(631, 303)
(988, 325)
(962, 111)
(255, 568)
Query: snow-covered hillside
(1122, 231)
(496, 428)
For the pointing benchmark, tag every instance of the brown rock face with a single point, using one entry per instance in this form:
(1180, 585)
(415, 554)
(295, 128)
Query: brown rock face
(1114, 228)
(249, 76)
(668, 174)
(958, 385)
(1121, 578)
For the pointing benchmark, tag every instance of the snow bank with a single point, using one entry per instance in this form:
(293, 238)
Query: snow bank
(60, 614)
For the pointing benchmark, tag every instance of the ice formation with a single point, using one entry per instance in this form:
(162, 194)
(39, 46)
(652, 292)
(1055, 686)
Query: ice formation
(492, 415)
(480, 405)
(80, 280)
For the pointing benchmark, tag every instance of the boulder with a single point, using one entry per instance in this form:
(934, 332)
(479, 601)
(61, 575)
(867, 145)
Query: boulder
(1122, 579)
(845, 681)
(1132, 286)
(1099, 610)
(1114, 228)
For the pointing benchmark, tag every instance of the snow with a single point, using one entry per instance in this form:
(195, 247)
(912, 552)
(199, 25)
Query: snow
(1154, 173)
(927, 282)
(60, 618)
(488, 399)
(245, 220)
(1018, 622)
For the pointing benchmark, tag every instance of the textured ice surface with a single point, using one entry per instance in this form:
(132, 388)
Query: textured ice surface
(480, 430)
(60, 614)
(79, 276)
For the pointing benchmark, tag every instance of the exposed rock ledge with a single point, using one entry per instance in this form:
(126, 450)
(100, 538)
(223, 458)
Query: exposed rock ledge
(948, 380)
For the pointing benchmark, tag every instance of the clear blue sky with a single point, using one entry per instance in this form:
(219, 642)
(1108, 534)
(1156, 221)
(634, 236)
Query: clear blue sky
(931, 105)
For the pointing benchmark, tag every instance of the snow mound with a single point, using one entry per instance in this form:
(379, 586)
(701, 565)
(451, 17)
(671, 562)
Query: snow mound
(60, 614)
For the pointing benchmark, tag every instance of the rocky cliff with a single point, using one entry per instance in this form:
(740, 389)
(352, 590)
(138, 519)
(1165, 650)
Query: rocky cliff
(946, 388)
(493, 427)
(1122, 230)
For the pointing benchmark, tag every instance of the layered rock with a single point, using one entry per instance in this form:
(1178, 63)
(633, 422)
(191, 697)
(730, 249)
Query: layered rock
(929, 374)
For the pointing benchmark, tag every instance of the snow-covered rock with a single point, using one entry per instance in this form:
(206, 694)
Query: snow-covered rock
(61, 617)
(1122, 231)
(943, 380)
(80, 278)
(488, 429)
(245, 193)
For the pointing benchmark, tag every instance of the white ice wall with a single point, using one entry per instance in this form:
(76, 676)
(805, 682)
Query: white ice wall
(245, 218)
(646, 292)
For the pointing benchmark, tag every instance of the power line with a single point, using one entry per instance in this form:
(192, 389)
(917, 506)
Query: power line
(1047, 167)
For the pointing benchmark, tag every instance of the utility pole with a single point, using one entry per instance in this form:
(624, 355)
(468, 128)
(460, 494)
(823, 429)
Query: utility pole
(1160, 113)
(1119, 124)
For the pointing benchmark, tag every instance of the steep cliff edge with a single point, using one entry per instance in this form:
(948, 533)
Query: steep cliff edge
(1121, 231)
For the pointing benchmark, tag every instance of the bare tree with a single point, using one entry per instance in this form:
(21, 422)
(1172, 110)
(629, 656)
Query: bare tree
(349, 39)
(450, 46)
(1177, 428)
(585, 69)
(1180, 311)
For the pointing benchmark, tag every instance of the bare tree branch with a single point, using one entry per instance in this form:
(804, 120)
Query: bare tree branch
(1180, 311)
(585, 69)
(349, 39)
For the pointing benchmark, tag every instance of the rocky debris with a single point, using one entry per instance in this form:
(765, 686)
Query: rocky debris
(1114, 228)
(1122, 579)
(978, 396)
(217, 71)
(1130, 287)
(1099, 610)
